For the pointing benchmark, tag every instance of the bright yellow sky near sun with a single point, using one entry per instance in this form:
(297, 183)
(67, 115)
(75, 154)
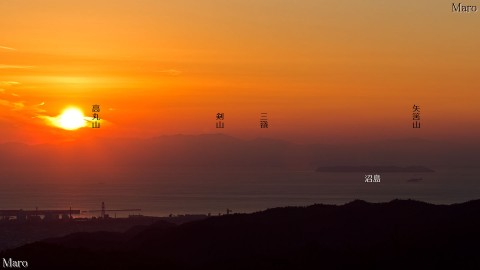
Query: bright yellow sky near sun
(323, 70)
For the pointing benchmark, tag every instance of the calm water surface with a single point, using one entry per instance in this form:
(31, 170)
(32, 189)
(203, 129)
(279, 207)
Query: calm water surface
(162, 191)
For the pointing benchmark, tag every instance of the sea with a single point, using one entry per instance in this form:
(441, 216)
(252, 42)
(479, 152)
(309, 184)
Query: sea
(195, 190)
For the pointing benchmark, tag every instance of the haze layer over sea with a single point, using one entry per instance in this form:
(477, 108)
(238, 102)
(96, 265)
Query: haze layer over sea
(196, 190)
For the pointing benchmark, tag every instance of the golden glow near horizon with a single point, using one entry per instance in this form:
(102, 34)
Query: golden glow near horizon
(322, 70)
(70, 119)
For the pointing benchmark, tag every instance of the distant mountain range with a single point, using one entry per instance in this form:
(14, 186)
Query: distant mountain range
(222, 150)
(401, 234)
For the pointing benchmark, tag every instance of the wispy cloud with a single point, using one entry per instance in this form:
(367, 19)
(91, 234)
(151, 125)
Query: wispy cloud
(14, 67)
(49, 120)
(38, 107)
(170, 72)
(18, 105)
(13, 101)
(7, 48)
(9, 83)
(13, 105)
(58, 121)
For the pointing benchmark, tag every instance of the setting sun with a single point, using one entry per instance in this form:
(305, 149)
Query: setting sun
(71, 119)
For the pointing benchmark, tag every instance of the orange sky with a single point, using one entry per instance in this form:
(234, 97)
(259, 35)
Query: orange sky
(323, 70)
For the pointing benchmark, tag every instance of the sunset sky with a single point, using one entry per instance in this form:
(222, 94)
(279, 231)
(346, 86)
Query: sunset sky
(323, 70)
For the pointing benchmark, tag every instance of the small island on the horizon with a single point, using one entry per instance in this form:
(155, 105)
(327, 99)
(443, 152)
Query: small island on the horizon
(376, 169)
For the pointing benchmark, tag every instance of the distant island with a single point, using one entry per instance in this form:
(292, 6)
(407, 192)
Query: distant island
(415, 180)
(374, 169)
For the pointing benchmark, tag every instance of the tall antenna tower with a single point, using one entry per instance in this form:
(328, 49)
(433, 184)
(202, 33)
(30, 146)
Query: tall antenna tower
(103, 210)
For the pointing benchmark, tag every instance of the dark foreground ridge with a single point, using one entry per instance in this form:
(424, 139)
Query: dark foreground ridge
(401, 234)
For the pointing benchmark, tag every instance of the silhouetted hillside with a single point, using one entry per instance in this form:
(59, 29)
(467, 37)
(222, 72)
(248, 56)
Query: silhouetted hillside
(358, 235)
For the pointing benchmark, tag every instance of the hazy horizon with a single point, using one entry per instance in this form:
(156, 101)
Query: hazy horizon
(341, 83)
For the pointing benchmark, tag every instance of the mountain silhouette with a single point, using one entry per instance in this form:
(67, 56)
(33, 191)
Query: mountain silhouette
(401, 234)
